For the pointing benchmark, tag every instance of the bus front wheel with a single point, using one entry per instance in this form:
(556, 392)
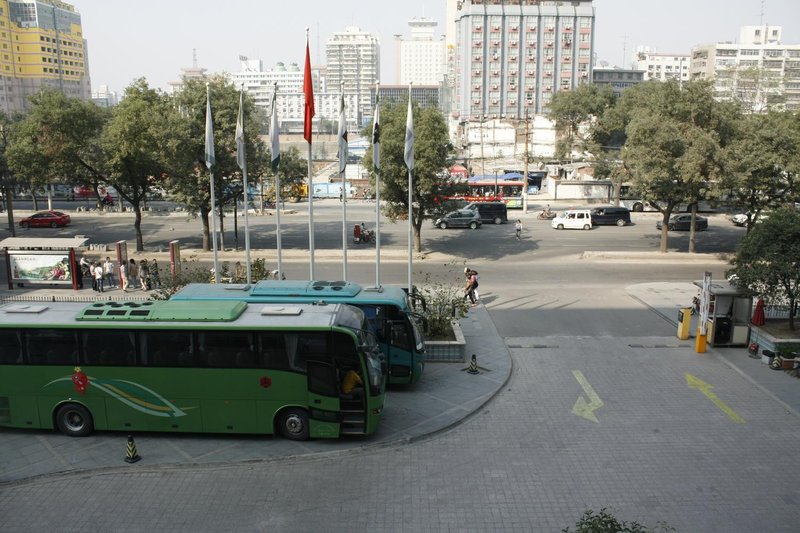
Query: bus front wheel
(74, 420)
(293, 423)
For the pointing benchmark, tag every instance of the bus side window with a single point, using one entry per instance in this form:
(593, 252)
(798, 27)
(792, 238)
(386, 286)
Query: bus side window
(10, 347)
(273, 353)
(52, 346)
(169, 348)
(230, 349)
(108, 348)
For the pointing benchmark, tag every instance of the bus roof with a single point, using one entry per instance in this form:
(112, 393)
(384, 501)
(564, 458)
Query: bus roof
(196, 314)
(296, 291)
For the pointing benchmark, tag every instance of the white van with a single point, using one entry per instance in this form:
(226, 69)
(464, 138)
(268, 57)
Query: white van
(573, 219)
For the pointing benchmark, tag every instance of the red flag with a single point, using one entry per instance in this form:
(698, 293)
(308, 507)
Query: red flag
(308, 90)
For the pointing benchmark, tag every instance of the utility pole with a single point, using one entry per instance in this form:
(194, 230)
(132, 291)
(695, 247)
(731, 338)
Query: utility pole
(525, 178)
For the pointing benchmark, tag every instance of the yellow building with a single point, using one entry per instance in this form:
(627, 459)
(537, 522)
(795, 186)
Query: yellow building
(41, 45)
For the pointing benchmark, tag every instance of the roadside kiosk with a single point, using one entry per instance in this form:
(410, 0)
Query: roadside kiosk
(728, 314)
(41, 261)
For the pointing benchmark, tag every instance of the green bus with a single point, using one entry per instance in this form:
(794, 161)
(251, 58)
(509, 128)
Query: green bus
(217, 367)
(388, 309)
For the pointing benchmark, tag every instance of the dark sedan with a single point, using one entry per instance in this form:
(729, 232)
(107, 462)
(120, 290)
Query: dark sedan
(46, 219)
(684, 222)
(463, 218)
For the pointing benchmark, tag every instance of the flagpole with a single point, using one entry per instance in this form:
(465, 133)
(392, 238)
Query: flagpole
(308, 90)
(376, 162)
(342, 142)
(243, 162)
(409, 159)
(210, 160)
(276, 159)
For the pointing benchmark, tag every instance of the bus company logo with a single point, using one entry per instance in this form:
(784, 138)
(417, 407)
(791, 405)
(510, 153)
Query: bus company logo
(132, 394)
(80, 380)
(265, 381)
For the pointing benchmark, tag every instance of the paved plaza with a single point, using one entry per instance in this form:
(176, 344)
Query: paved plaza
(552, 426)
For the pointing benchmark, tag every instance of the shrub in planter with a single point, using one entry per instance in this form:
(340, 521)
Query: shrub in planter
(445, 302)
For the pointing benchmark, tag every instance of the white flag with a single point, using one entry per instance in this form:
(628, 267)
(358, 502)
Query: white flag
(342, 138)
(274, 132)
(376, 133)
(240, 150)
(409, 151)
(210, 159)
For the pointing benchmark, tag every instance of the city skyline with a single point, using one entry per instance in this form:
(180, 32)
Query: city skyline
(157, 47)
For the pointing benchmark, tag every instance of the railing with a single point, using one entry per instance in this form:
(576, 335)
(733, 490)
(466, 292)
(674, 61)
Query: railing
(69, 298)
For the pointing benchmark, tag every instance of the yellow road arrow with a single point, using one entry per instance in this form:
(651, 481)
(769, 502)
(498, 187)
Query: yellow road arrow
(705, 388)
(582, 408)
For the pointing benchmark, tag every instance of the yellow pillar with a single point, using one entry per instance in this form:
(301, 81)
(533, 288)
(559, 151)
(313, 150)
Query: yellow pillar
(684, 321)
(700, 342)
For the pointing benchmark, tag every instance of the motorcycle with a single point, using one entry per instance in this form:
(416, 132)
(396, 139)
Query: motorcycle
(107, 200)
(362, 235)
(546, 215)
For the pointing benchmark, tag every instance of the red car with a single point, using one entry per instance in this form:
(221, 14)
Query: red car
(46, 219)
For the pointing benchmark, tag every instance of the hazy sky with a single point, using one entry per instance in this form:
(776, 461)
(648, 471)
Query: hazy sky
(155, 38)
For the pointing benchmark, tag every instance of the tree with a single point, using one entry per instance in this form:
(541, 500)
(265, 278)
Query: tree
(764, 163)
(8, 180)
(675, 134)
(431, 148)
(59, 141)
(191, 183)
(767, 262)
(139, 146)
(571, 110)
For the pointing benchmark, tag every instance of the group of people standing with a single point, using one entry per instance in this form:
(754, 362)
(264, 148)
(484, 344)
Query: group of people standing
(131, 276)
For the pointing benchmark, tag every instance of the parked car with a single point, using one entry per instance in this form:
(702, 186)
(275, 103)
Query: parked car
(611, 215)
(495, 212)
(46, 219)
(740, 219)
(684, 222)
(573, 219)
(463, 218)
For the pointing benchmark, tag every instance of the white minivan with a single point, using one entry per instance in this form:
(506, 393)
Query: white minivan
(573, 219)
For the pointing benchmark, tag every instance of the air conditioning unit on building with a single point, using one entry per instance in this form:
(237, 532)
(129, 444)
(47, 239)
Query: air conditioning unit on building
(529, 102)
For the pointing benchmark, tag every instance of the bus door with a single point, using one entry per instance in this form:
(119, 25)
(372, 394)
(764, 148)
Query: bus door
(400, 346)
(323, 399)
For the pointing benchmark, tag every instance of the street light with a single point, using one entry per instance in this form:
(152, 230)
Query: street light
(495, 184)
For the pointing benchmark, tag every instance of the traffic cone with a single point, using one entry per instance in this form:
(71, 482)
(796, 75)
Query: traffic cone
(473, 365)
(131, 456)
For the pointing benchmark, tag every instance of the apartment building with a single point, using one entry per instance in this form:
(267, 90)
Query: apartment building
(41, 45)
(758, 71)
(662, 67)
(353, 62)
(421, 56)
(513, 55)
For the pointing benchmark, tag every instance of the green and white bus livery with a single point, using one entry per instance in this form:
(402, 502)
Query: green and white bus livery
(218, 367)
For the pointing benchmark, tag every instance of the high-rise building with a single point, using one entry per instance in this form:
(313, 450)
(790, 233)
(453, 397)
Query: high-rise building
(759, 71)
(662, 67)
(513, 55)
(260, 85)
(41, 45)
(354, 64)
(421, 56)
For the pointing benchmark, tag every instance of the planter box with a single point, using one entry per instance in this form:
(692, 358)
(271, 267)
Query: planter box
(447, 351)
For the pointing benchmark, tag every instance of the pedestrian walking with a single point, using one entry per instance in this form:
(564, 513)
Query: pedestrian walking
(133, 273)
(518, 229)
(123, 276)
(108, 272)
(469, 287)
(155, 275)
(91, 275)
(144, 275)
(98, 277)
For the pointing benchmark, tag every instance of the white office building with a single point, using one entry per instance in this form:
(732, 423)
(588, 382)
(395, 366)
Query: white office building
(758, 71)
(661, 67)
(421, 56)
(353, 58)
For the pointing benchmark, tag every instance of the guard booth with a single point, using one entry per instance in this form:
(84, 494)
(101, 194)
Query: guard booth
(34, 261)
(728, 314)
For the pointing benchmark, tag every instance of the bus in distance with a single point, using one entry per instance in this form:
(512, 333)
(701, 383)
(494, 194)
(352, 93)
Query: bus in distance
(216, 367)
(387, 308)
